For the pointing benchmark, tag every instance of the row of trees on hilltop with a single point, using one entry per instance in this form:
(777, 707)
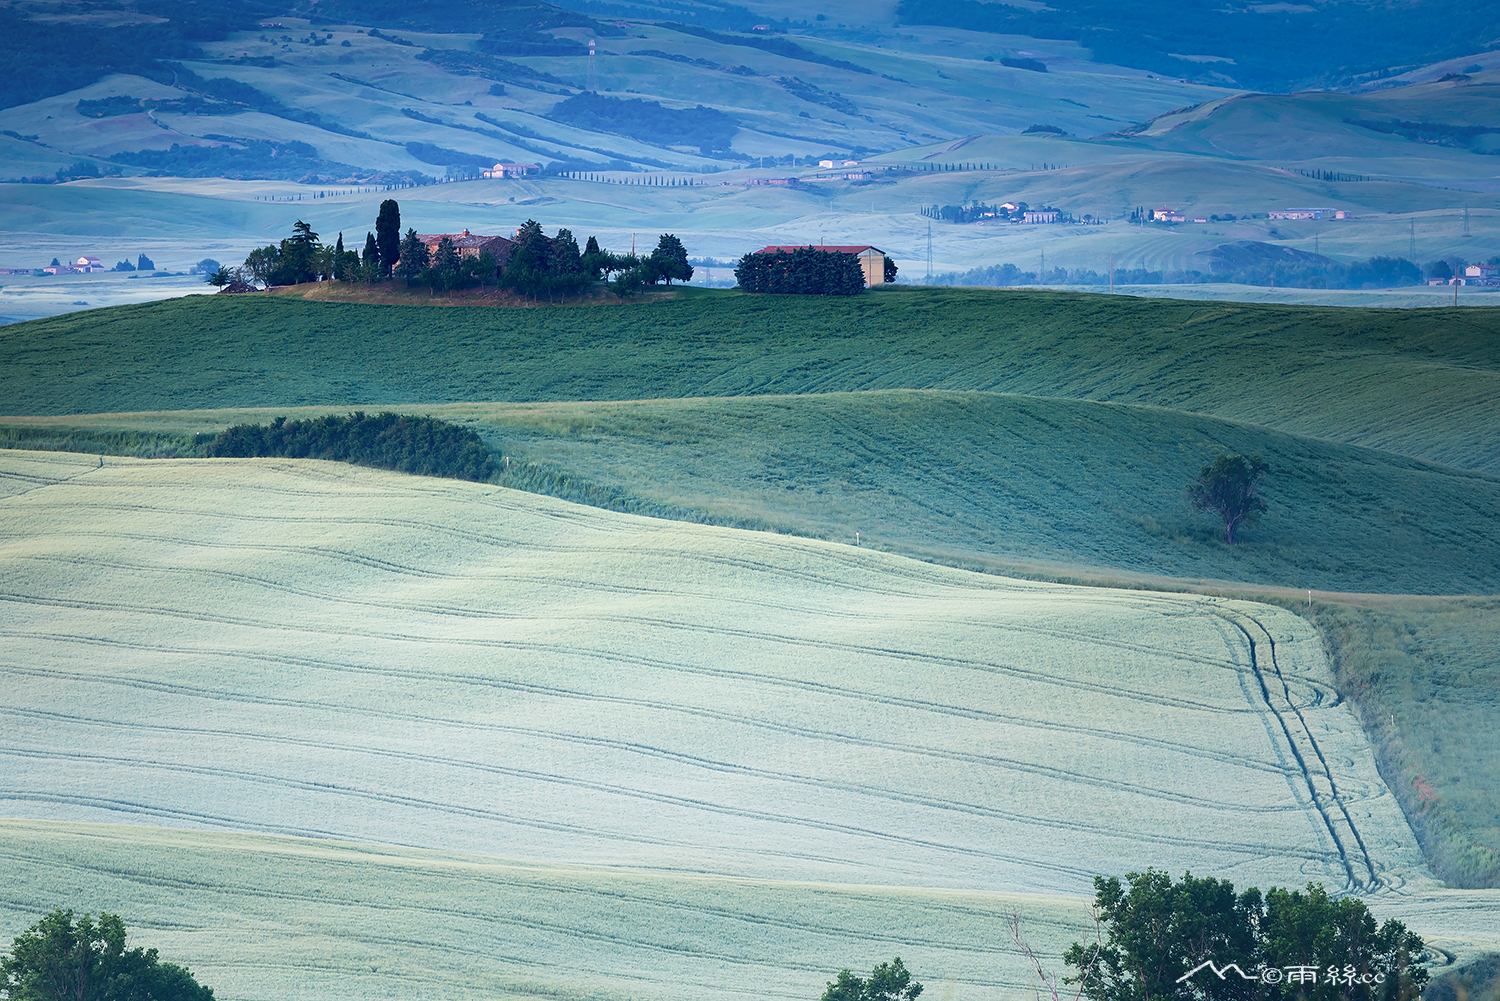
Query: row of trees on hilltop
(804, 271)
(540, 266)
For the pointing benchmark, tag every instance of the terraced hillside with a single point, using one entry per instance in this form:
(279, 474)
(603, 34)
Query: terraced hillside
(311, 649)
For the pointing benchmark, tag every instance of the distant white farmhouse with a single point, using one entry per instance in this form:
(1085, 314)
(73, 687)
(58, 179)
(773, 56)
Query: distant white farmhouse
(502, 170)
(88, 265)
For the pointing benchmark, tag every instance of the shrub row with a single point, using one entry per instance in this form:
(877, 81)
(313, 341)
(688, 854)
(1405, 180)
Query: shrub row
(425, 446)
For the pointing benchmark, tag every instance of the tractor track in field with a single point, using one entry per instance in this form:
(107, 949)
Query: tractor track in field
(1321, 788)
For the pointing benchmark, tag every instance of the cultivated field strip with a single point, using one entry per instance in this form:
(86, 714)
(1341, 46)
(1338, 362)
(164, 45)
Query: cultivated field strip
(262, 917)
(311, 649)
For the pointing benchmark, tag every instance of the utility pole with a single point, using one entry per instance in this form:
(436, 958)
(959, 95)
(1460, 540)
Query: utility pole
(929, 253)
(1466, 220)
(1111, 274)
(1411, 250)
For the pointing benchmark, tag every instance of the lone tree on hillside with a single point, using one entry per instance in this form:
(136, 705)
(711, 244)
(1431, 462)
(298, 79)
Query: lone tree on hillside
(1228, 487)
(220, 277)
(57, 959)
(887, 982)
(388, 234)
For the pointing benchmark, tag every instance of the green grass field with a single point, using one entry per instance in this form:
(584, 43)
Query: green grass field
(979, 479)
(1418, 383)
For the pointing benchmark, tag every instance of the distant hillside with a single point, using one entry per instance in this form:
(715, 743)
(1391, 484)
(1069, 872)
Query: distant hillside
(1277, 47)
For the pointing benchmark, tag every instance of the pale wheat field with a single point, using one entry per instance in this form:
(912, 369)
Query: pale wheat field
(311, 649)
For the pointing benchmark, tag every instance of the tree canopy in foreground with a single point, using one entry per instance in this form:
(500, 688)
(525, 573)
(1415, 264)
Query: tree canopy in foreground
(1196, 940)
(58, 959)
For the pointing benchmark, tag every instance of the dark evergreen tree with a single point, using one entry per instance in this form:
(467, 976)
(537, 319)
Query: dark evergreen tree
(890, 270)
(388, 234)
(670, 260)
(299, 260)
(527, 273)
(412, 258)
(446, 268)
(142, 263)
(594, 260)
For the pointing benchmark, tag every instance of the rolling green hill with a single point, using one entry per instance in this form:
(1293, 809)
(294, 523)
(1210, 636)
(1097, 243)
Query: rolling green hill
(1419, 383)
(980, 479)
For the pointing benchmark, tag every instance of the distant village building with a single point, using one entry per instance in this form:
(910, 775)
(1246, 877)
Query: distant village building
(1481, 274)
(503, 170)
(1309, 214)
(871, 259)
(1039, 216)
(469, 245)
(88, 265)
(774, 182)
(1166, 215)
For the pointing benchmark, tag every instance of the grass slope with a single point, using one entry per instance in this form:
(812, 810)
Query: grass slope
(313, 649)
(981, 479)
(259, 917)
(1419, 383)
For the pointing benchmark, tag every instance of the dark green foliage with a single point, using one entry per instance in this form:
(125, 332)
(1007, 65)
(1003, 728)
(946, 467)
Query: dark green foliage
(887, 982)
(890, 270)
(1159, 931)
(1035, 65)
(443, 157)
(220, 277)
(421, 445)
(296, 260)
(805, 271)
(708, 129)
(445, 269)
(414, 258)
(768, 43)
(123, 266)
(246, 159)
(40, 59)
(370, 259)
(387, 234)
(670, 260)
(144, 263)
(58, 959)
(1268, 48)
(1229, 487)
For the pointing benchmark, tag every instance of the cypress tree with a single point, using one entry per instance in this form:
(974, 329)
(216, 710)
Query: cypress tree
(388, 234)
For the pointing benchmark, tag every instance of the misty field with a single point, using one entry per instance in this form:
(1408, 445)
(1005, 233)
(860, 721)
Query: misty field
(310, 649)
